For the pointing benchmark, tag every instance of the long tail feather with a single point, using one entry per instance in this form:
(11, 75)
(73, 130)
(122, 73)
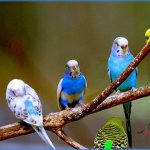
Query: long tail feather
(42, 133)
(127, 110)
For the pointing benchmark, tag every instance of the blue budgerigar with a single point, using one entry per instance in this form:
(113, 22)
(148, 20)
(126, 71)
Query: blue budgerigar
(71, 87)
(24, 102)
(118, 61)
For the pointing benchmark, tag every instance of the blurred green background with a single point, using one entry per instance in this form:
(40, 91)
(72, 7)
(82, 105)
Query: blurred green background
(37, 39)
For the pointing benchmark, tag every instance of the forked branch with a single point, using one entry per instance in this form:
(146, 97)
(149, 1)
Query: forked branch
(56, 121)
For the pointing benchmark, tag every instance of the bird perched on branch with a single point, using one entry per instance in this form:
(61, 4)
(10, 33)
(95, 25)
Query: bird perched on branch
(24, 102)
(71, 87)
(118, 61)
(112, 135)
(147, 36)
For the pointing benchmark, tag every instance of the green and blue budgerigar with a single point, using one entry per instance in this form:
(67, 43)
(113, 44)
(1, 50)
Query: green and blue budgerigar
(112, 135)
(147, 36)
(119, 60)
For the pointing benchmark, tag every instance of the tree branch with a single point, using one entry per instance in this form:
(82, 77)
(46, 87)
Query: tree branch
(60, 133)
(121, 98)
(56, 121)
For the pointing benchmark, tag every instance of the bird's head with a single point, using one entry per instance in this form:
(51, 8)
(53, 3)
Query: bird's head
(120, 46)
(147, 36)
(116, 120)
(72, 69)
(17, 87)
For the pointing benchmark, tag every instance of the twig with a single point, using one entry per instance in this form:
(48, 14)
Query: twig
(60, 133)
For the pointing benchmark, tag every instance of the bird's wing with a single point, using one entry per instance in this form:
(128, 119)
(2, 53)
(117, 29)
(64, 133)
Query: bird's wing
(85, 88)
(136, 69)
(35, 100)
(33, 109)
(17, 107)
(31, 91)
(59, 90)
(108, 69)
(109, 74)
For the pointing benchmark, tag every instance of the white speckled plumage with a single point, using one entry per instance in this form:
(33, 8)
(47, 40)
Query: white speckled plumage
(24, 102)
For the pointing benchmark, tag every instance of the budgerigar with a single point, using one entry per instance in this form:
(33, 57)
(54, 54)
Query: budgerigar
(24, 102)
(147, 36)
(71, 87)
(112, 135)
(118, 61)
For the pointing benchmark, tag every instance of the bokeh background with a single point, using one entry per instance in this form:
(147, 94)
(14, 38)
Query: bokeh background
(37, 39)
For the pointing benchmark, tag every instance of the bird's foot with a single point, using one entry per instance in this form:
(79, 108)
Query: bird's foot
(25, 125)
(118, 92)
(133, 89)
(67, 108)
(82, 105)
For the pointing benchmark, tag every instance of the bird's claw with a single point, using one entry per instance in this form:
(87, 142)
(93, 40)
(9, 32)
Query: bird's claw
(82, 105)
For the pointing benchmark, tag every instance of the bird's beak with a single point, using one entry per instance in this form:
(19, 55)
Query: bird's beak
(124, 49)
(75, 71)
(148, 41)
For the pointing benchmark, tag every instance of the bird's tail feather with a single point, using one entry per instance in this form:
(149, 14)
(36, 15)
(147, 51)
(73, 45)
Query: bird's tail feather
(127, 110)
(108, 145)
(42, 133)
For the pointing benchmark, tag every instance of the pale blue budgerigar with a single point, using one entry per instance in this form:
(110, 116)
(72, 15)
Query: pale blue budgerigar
(120, 58)
(24, 102)
(71, 87)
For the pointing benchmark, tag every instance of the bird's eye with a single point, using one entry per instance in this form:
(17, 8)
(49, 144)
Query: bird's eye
(146, 37)
(66, 67)
(117, 44)
(13, 92)
(117, 51)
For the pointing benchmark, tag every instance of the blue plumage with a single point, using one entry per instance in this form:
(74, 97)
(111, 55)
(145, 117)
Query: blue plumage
(117, 65)
(119, 60)
(72, 86)
(30, 108)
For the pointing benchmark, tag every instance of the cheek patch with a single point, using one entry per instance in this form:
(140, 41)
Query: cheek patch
(70, 74)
